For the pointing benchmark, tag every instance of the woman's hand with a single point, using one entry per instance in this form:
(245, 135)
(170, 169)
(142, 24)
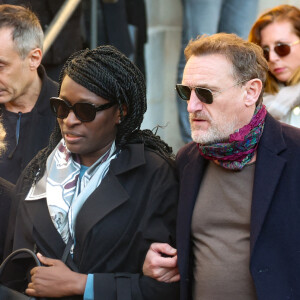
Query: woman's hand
(55, 279)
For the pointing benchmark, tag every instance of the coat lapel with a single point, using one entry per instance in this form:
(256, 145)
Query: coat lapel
(190, 178)
(43, 226)
(107, 197)
(268, 170)
(110, 194)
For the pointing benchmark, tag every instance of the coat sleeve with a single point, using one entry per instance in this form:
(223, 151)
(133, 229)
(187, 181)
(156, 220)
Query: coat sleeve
(157, 225)
(6, 194)
(128, 286)
(14, 204)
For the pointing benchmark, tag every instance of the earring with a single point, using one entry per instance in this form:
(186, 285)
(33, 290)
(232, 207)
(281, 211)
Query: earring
(119, 121)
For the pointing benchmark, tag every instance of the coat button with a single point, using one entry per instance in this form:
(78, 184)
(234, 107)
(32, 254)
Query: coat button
(265, 270)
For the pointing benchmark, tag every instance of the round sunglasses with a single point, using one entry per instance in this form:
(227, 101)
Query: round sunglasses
(281, 49)
(85, 112)
(205, 95)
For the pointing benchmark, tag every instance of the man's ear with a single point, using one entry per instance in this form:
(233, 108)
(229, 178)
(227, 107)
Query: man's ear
(35, 58)
(252, 91)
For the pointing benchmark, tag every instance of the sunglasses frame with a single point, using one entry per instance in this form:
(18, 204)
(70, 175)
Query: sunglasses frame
(73, 108)
(266, 49)
(196, 88)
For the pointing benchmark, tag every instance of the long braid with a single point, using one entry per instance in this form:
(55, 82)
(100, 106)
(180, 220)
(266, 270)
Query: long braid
(111, 75)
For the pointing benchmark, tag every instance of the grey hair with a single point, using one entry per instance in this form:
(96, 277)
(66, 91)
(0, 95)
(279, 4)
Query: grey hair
(27, 33)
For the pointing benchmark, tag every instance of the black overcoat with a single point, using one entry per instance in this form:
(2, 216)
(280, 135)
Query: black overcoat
(275, 213)
(134, 205)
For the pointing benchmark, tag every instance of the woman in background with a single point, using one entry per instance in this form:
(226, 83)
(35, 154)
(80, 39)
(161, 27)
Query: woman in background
(94, 200)
(277, 31)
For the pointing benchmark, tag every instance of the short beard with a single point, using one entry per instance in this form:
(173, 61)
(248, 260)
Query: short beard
(216, 133)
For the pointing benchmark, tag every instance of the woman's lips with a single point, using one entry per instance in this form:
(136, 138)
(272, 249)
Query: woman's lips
(72, 138)
(279, 70)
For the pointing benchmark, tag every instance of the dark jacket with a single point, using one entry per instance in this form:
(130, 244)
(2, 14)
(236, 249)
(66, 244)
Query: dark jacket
(6, 192)
(275, 213)
(35, 129)
(134, 205)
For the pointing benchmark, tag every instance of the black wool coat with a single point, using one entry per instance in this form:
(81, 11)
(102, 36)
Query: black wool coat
(275, 213)
(134, 205)
(6, 193)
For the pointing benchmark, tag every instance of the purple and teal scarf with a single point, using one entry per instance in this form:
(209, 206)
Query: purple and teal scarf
(242, 144)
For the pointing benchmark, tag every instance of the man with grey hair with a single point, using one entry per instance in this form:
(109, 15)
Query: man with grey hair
(25, 90)
(239, 206)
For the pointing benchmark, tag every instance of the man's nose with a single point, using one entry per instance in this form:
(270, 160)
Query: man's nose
(194, 104)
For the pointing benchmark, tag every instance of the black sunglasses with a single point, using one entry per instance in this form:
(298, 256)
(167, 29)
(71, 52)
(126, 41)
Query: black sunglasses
(85, 112)
(281, 49)
(204, 95)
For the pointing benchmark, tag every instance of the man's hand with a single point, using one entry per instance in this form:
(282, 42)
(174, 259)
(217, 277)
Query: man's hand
(161, 263)
(55, 279)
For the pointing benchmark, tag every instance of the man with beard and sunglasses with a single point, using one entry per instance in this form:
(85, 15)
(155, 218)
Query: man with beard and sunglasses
(239, 206)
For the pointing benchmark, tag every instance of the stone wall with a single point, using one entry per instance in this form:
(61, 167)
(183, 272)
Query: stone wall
(162, 53)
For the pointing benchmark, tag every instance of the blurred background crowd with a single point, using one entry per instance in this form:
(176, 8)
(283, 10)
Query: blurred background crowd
(162, 53)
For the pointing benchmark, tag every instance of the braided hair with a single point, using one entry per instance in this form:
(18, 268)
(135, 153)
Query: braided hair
(111, 75)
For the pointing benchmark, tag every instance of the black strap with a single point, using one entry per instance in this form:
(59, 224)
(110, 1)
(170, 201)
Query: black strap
(10, 293)
(17, 252)
(67, 250)
(66, 257)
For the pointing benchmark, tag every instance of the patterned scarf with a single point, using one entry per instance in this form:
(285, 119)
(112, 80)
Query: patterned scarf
(240, 148)
(64, 190)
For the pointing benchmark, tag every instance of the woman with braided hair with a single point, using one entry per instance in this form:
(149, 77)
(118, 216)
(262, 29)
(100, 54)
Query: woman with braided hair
(92, 202)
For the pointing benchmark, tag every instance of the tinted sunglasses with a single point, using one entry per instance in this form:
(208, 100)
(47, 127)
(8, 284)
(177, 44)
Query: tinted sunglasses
(204, 95)
(281, 49)
(85, 112)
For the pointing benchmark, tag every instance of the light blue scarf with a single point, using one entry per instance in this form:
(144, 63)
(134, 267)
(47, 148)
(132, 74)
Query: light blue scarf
(64, 191)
